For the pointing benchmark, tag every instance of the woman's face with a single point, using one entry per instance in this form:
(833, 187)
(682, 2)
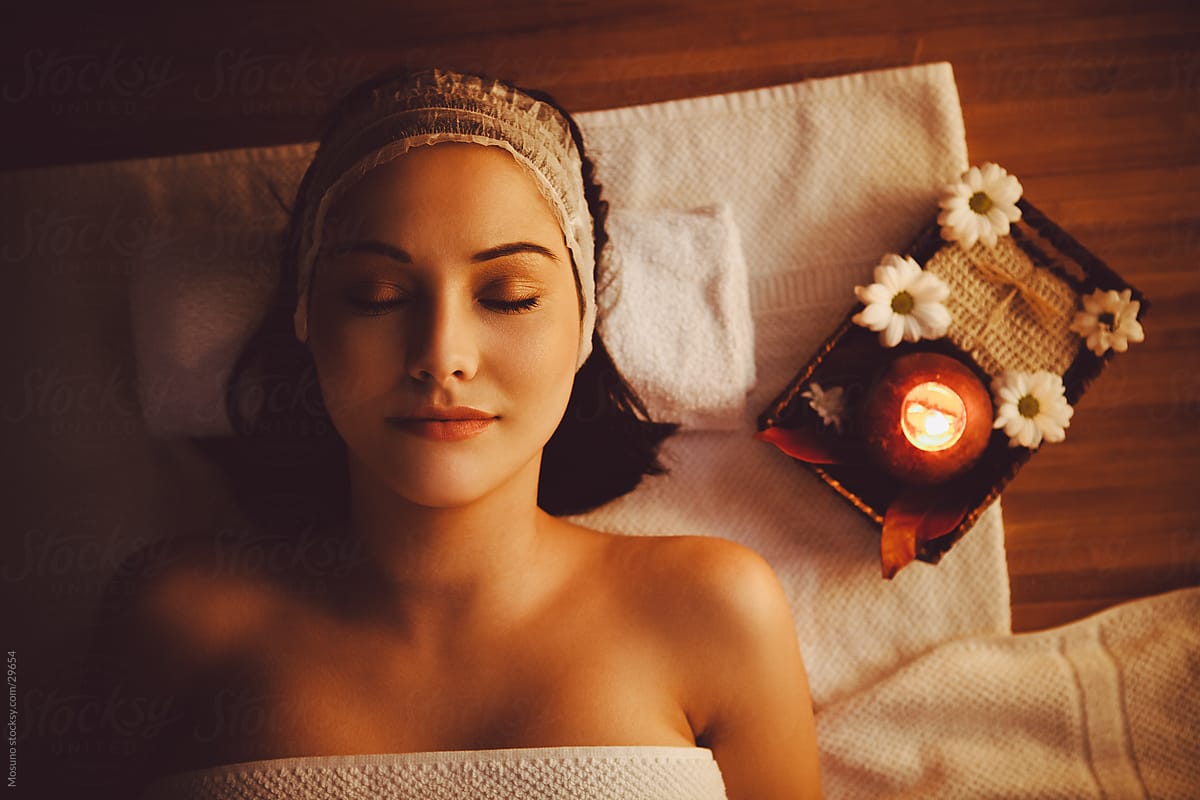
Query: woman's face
(444, 280)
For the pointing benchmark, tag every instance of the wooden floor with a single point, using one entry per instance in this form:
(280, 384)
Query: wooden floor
(1095, 105)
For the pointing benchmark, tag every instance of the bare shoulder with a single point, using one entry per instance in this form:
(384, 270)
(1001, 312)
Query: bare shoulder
(704, 596)
(722, 610)
(706, 580)
(738, 583)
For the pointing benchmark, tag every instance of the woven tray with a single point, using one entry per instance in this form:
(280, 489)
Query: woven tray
(1018, 338)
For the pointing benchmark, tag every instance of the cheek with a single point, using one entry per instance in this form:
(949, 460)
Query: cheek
(537, 367)
(538, 350)
(550, 349)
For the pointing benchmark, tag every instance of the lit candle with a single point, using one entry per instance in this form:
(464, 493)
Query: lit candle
(933, 417)
(927, 418)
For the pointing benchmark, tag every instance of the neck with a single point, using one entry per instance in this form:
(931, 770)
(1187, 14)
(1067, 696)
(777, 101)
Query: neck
(437, 574)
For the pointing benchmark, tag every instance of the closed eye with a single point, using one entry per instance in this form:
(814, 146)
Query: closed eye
(374, 307)
(514, 306)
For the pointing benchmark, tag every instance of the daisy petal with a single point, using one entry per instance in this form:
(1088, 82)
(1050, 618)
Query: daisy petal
(934, 318)
(876, 316)
(893, 332)
(1031, 435)
(912, 328)
(998, 220)
(875, 293)
(991, 174)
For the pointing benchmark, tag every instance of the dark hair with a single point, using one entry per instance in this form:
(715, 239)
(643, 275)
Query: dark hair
(287, 463)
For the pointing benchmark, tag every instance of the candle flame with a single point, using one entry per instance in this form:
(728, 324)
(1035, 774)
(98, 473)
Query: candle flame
(933, 417)
(935, 423)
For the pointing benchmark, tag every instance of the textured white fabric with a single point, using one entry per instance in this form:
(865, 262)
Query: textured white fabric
(1106, 707)
(537, 773)
(822, 177)
(677, 313)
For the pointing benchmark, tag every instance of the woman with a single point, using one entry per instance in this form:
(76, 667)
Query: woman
(442, 247)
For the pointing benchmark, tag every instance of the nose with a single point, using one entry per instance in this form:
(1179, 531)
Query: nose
(441, 343)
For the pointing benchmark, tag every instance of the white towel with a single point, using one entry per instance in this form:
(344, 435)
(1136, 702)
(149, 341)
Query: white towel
(198, 291)
(675, 313)
(1106, 707)
(527, 773)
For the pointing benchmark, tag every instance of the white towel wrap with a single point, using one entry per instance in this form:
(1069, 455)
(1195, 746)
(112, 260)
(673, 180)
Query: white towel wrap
(528, 773)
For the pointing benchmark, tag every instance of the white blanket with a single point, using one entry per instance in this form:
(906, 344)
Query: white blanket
(1107, 707)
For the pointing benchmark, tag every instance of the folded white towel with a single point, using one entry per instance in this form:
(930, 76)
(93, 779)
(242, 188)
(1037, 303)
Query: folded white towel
(1103, 707)
(198, 290)
(675, 313)
(530, 773)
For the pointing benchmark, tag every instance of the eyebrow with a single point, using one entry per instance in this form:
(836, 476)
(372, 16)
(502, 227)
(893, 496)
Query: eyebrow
(396, 253)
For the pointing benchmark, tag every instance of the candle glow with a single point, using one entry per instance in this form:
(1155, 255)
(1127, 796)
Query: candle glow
(926, 418)
(933, 417)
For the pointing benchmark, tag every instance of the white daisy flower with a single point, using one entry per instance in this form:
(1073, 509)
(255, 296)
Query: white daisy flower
(1030, 406)
(1109, 320)
(905, 302)
(829, 403)
(980, 206)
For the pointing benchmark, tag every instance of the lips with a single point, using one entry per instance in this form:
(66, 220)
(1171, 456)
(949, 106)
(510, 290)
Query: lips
(444, 424)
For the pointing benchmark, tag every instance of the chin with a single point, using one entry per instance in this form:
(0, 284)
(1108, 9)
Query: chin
(450, 482)
(447, 493)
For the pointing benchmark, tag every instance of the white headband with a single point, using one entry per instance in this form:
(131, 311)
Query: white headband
(435, 106)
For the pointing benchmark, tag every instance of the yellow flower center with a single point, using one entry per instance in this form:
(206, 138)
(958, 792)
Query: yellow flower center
(902, 303)
(1107, 320)
(1028, 406)
(980, 203)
